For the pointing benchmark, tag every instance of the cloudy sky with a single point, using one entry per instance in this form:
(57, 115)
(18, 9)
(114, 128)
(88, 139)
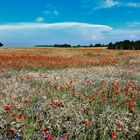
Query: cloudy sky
(31, 22)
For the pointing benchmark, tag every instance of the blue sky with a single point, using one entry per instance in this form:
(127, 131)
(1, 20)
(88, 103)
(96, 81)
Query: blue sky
(30, 22)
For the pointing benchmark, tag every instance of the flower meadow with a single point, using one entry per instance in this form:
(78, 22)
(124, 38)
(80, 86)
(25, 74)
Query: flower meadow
(69, 94)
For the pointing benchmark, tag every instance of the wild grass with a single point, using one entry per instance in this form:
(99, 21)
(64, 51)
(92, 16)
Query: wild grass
(98, 100)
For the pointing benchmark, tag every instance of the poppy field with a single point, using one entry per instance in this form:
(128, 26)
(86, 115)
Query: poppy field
(69, 94)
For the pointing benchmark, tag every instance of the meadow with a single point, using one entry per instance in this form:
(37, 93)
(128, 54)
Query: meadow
(69, 94)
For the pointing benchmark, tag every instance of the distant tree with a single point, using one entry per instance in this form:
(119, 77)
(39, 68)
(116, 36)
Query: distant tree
(90, 45)
(125, 45)
(98, 45)
(1, 45)
(111, 46)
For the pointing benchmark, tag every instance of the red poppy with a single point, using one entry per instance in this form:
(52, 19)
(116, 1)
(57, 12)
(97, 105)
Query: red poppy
(114, 101)
(131, 106)
(25, 101)
(93, 97)
(87, 123)
(11, 132)
(61, 103)
(20, 117)
(114, 134)
(7, 108)
(44, 130)
(86, 97)
(56, 102)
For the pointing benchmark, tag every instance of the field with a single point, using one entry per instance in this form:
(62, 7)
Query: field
(69, 94)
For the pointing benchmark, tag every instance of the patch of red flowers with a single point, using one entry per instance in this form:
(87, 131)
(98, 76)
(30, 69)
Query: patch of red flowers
(114, 135)
(7, 108)
(131, 106)
(20, 117)
(87, 123)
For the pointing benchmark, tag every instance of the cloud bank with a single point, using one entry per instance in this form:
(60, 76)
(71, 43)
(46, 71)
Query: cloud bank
(114, 3)
(29, 34)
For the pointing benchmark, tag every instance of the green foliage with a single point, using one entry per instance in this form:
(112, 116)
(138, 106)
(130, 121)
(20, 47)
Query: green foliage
(125, 45)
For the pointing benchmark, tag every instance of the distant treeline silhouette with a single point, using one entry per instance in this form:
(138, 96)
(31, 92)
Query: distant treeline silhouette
(1, 44)
(121, 45)
(71, 46)
(125, 45)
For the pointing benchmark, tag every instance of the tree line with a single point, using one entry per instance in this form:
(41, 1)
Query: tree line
(72, 46)
(120, 45)
(125, 45)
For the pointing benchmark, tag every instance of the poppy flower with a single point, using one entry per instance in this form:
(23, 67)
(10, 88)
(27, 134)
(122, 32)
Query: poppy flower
(114, 134)
(87, 123)
(114, 101)
(20, 117)
(25, 101)
(44, 130)
(56, 102)
(61, 103)
(131, 106)
(86, 97)
(49, 137)
(11, 132)
(7, 108)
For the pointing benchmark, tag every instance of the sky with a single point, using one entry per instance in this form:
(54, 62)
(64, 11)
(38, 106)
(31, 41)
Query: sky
(33, 22)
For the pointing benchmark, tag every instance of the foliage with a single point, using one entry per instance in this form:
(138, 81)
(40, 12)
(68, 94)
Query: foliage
(125, 45)
(1, 44)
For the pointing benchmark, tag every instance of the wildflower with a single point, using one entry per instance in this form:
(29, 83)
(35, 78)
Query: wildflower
(49, 137)
(114, 101)
(102, 95)
(87, 123)
(86, 97)
(39, 132)
(44, 130)
(56, 102)
(61, 87)
(126, 89)
(12, 115)
(20, 117)
(11, 133)
(131, 106)
(18, 137)
(114, 134)
(85, 110)
(61, 103)
(25, 101)
(7, 108)
(93, 97)
(62, 137)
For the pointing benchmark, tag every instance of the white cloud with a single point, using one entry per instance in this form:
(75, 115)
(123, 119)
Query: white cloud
(51, 12)
(107, 4)
(115, 3)
(44, 33)
(133, 4)
(24, 34)
(122, 34)
(39, 19)
(78, 25)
